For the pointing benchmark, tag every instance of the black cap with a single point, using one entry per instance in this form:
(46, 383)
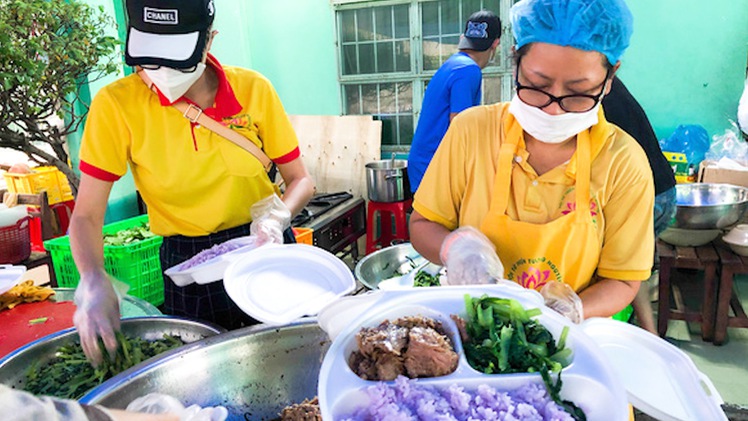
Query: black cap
(481, 30)
(170, 33)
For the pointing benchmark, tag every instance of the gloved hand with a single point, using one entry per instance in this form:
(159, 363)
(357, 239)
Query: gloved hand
(97, 315)
(158, 403)
(561, 298)
(270, 217)
(470, 258)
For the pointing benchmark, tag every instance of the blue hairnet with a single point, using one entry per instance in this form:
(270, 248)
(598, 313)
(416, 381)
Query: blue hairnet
(591, 25)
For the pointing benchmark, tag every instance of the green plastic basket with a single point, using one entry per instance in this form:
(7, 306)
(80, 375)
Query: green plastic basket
(625, 314)
(137, 264)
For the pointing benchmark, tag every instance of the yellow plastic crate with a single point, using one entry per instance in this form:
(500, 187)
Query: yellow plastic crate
(48, 179)
(304, 235)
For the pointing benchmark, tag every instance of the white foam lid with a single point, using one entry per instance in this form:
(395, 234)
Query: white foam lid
(10, 276)
(277, 284)
(660, 379)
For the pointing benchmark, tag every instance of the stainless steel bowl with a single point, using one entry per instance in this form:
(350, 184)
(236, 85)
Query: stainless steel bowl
(387, 263)
(254, 372)
(13, 366)
(709, 206)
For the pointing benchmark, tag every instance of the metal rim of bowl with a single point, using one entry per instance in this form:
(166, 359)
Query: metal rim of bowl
(359, 265)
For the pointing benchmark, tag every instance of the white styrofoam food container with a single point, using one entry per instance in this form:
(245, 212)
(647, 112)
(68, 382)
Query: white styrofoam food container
(209, 271)
(10, 276)
(278, 284)
(594, 380)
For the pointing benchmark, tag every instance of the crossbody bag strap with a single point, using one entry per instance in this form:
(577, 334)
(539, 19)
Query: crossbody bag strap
(195, 114)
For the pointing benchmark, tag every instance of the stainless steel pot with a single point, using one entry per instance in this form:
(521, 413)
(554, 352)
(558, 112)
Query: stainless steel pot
(254, 372)
(387, 180)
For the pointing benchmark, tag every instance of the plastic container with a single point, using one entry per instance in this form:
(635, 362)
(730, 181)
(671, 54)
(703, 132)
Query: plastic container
(278, 284)
(10, 276)
(613, 364)
(304, 235)
(49, 179)
(15, 242)
(137, 264)
(588, 381)
(211, 270)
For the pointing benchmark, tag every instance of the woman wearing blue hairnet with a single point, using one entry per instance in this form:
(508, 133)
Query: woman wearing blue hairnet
(563, 196)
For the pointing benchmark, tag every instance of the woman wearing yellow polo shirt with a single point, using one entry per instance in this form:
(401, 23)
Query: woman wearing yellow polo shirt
(562, 194)
(198, 186)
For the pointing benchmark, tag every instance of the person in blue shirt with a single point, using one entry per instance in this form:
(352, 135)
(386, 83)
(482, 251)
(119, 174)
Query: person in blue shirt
(454, 87)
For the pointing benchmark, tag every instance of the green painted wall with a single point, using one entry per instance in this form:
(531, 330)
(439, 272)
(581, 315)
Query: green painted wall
(293, 44)
(687, 60)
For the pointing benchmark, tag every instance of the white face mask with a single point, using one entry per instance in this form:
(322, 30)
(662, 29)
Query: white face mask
(173, 83)
(549, 128)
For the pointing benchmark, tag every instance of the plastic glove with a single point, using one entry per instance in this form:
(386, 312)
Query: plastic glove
(561, 298)
(470, 258)
(158, 403)
(97, 315)
(270, 217)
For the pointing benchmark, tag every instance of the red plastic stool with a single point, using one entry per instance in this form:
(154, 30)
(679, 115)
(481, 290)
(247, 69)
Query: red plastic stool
(386, 212)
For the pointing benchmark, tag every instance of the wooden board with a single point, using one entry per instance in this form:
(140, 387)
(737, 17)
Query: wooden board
(336, 150)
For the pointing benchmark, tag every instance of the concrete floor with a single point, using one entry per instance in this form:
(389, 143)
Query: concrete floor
(725, 365)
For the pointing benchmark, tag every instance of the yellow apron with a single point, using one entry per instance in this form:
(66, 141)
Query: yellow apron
(566, 249)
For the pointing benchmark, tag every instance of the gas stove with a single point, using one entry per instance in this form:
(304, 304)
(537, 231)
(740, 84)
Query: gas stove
(320, 203)
(338, 220)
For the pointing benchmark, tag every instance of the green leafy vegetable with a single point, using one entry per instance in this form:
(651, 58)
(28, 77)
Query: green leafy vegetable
(69, 375)
(503, 338)
(425, 279)
(129, 235)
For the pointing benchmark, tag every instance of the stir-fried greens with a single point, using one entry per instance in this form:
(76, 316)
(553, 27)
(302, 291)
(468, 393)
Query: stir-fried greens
(503, 338)
(69, 375)
(425, 279)
(129, 235)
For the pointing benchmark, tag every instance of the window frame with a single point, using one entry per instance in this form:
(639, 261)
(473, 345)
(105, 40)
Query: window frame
(417, 76)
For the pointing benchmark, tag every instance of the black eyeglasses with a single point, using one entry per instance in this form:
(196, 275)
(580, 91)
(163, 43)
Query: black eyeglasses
(577, 103)
(157, 66)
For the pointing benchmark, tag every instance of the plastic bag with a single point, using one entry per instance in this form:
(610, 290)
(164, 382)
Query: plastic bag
(561, 298)
(159, 403)
(728, 145)
(470, 258)
(690, 140)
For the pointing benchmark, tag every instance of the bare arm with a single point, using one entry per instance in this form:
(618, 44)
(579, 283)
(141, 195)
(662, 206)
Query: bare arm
(299, 185)
(607, 297)
(86, 223)
(427, 237)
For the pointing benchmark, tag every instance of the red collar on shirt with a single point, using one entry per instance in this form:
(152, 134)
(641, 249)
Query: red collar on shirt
(226, 104)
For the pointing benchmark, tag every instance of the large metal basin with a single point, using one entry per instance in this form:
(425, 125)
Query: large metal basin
(13, 367)
(387, 263)
(254, 372)
(709, 206)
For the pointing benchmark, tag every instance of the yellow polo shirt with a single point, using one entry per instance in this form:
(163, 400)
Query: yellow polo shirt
(458, 186)
(193, 181)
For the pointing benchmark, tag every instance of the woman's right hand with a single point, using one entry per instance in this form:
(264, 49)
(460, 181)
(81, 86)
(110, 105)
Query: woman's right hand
(97, 315)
